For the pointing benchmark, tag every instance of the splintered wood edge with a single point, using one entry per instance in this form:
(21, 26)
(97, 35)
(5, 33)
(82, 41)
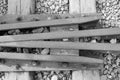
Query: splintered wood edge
(54, 58)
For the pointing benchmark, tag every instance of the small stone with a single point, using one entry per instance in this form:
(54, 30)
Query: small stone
(65, 40)
(49, 18)
(113, 41)
(93, 41)
(71, 29)
(34, 63)
(45, 51)
(54, 77)
(45, 73)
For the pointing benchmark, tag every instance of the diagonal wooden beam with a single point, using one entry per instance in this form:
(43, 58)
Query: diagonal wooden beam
(46, 67)
(6, 68)
(54, 58)
(30, 17)
(56, 22)
(64, 45)
(31, 68)
(61, 34)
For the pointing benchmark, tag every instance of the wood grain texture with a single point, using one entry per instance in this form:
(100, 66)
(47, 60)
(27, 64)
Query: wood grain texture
(27, 7)
(96, 75)
(39, 68)
(74, 6)
(65, 51)
(87, 6)
(77, 75)
(49, 23)
(82, 6)
(17, 76)
(64, 45)
(29, 65)
(60, 35)
(53, 58)
(86, 75)
(20, 7)
(14, 6)
(10, 18)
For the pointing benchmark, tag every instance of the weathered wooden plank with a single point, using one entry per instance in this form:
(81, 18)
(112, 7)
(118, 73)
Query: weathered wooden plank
(9, 18)
(17, 76)
(19, 7)
(86, 75)
(61, 34)
(30, 68)
(64, 51)
(27, 7)
(11, 76)
(96, 75)
(48, 23)
(30, 65)
(77, 75)
(14, 6)
(64, 45)
(38, 68)
(87, 6)
(53, 58)
(74, 6)
(79, 6)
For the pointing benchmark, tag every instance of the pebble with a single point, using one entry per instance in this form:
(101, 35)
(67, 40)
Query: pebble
(45, 51)
(49, 18)
(113, 41)
(52, 6)
(54, 77)
(93, 41)
(108, 6)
